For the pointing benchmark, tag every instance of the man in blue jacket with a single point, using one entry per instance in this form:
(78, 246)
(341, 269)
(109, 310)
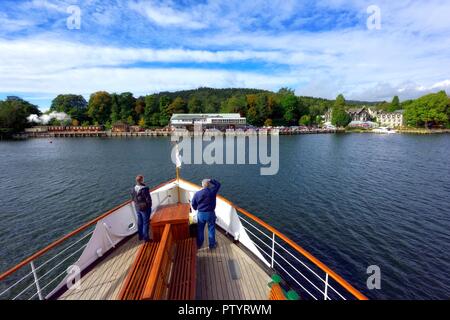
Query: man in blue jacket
(205, 202)
(143, 204)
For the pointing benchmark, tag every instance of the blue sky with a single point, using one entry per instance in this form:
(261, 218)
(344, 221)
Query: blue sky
(319, 48)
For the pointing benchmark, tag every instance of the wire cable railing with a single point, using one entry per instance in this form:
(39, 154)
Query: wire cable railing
(20, 288)
(298, 272)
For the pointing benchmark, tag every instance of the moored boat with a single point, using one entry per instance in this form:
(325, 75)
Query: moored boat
(384, 130)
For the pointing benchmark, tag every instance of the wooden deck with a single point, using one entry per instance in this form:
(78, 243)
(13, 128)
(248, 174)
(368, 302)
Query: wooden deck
(105, 280)
(217, 268)
(226, 272)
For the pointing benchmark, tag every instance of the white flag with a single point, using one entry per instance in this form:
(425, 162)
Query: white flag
(177, 156)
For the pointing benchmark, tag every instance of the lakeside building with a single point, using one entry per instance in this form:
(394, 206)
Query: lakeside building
(221, 121)
(120, 127)
(364, 115)
(391, 119)
(39, 129)
(359, 114)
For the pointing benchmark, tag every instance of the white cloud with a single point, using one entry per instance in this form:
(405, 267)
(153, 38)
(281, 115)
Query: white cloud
(13, 25)
(137, 80)
(406, 90)
(57, 6)
(166, 16)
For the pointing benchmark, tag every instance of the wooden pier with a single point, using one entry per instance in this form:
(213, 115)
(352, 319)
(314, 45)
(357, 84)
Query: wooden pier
(166, 133)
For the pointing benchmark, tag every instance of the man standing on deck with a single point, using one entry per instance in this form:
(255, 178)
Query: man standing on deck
(143, 204)
(205, 202)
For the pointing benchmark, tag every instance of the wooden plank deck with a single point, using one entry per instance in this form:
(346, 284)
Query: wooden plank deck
(105, 280)
(214, 274)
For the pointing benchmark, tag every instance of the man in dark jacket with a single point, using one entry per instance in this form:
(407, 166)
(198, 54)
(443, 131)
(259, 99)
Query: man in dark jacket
(205, 202)
(143, 204)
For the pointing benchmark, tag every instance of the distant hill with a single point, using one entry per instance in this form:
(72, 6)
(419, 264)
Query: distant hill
(204, 92)
(362, 103)
(227, 93)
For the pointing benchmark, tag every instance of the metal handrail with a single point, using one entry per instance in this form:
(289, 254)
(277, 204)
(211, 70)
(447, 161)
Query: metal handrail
(33, 271)
(319, 277)
(292, 266)
(274, 242)
(48, 272)
(296, 281)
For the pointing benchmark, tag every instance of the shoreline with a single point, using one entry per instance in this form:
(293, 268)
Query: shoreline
(25, 136)
(252, 132)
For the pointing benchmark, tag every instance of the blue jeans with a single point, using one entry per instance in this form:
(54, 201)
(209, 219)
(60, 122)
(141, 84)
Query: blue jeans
(143, 222)
(202, 219)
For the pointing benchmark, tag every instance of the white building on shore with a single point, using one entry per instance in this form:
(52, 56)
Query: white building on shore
(221, 121)
(391, 119)
(364, 114)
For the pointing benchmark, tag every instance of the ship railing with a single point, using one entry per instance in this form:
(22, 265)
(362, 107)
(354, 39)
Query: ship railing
(51, 264)
(44, 270)
(302, 272)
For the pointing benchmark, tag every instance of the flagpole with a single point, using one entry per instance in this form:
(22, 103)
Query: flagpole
(177, 170)
(178, 181)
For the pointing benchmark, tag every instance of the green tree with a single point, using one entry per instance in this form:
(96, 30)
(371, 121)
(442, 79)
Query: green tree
(177, 106)
(164, 114)
(127, 104)
(340, 101)
(99, 107)
(252, 117)
(395, 104)
(115, 108)
(235, 104)
(130, 121)
(13, 115)
(305, 120)
(289, 104)
(73, 105)
(195, 105)
(431, 109)
(154, 120)
(139, 108)
(339, 116)
(151, 108)
(268, 123)
(211, 103)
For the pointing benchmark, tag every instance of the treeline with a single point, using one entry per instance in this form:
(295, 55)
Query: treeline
(428, 111)
(259, 106)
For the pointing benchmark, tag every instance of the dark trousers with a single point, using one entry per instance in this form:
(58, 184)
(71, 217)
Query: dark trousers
(143, 224)
(202, 219)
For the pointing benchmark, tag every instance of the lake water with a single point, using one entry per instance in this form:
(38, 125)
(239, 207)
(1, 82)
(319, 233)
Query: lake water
(352, 200)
